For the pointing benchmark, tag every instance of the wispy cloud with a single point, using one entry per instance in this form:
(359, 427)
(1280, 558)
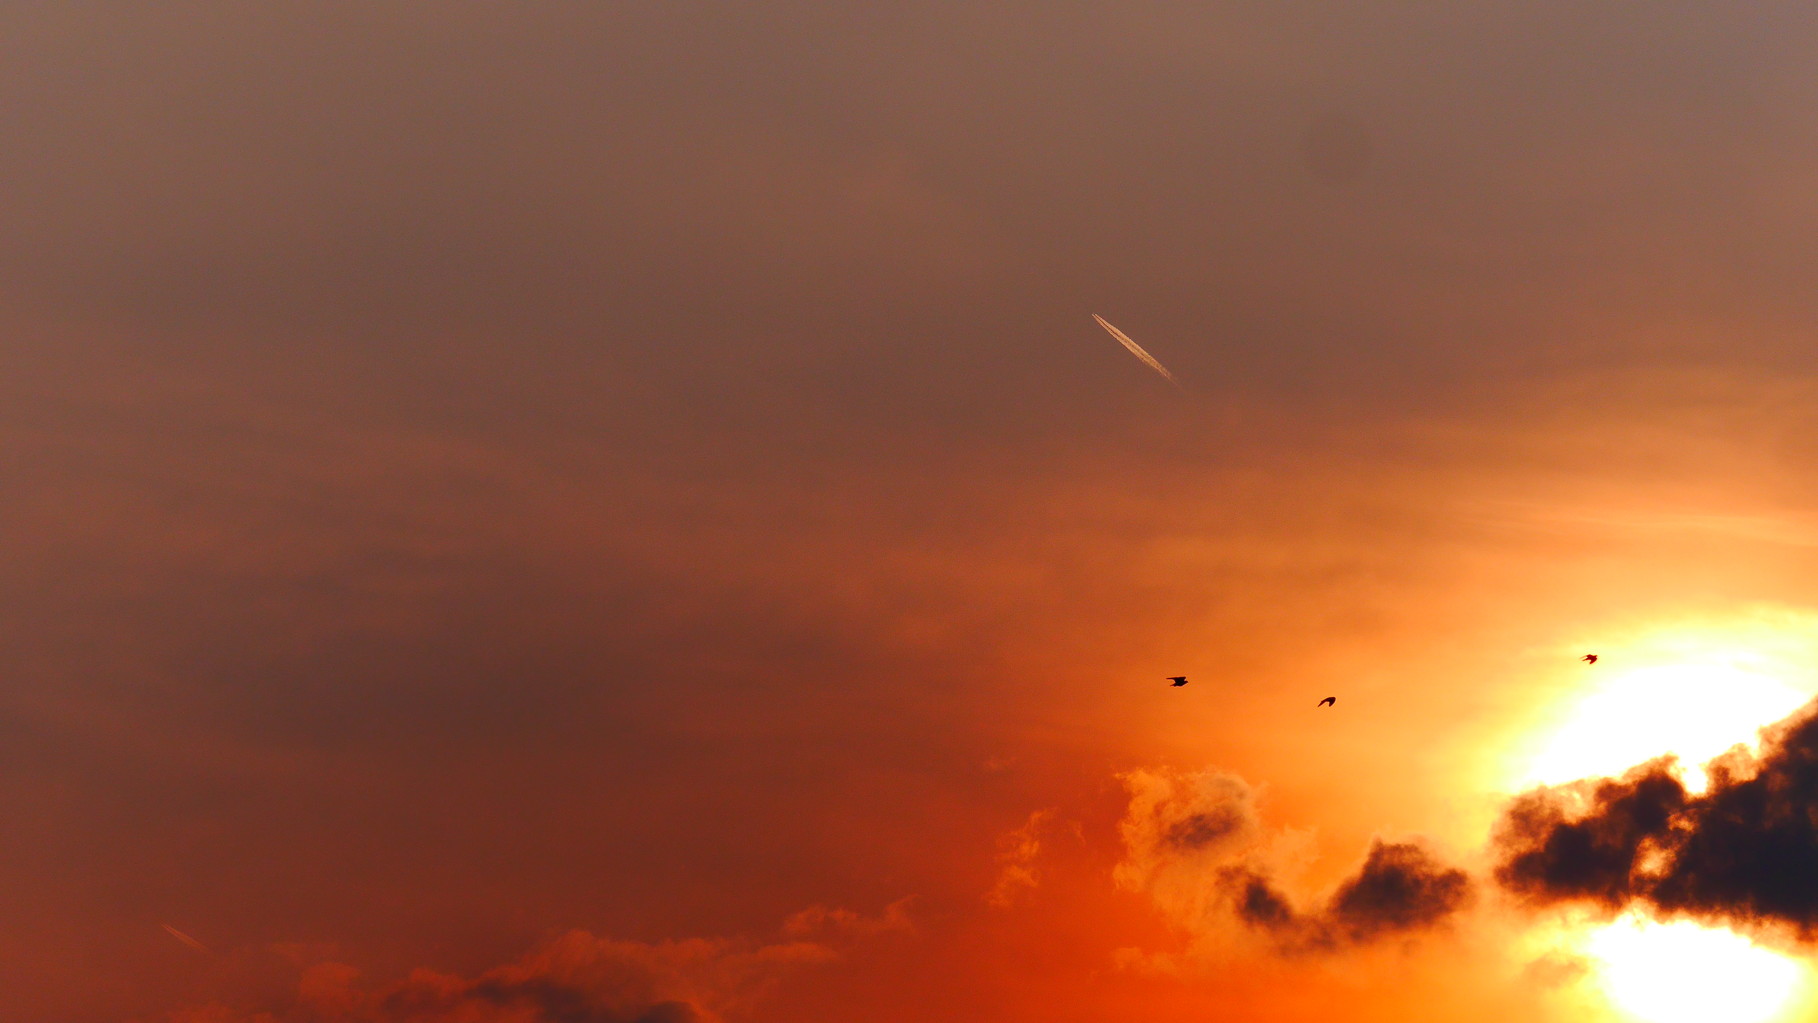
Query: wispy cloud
(1017, 853)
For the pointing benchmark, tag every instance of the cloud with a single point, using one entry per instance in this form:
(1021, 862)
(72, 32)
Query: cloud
(1399, 889)
(1741, 852)
(1194, 844)
(1258, 903)
(1554, 853)
(576, 978)
(1181, 831)
(832, 920)
(1016, 856)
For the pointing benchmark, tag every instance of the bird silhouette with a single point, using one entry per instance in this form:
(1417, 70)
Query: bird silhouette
(1178, 680)
(1589, 658)
(1330, 701)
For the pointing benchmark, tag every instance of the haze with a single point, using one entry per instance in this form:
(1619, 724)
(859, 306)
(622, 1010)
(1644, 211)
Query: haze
(623, 510)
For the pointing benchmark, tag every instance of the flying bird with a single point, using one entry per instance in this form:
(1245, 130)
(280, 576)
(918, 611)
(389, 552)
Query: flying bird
(1589, 658)
(1178, 680)
(185, 939)
(1330, 701)
(1136, 350)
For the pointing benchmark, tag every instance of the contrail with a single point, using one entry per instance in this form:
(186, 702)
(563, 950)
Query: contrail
(186, 939)
(1136, 350)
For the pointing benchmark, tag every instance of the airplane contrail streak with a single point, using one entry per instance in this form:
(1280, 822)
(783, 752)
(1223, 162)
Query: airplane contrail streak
(186, 939)
(1136, 350)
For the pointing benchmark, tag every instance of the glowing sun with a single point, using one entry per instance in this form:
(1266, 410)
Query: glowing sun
(1681, 972)
(1693, 690)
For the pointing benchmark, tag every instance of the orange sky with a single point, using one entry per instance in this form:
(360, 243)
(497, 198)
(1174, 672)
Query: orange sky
(622, 513)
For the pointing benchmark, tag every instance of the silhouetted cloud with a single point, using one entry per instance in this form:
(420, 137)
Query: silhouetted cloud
(1399, 889)
(1259, 904)
(1193, 843)
(1741, 852)
(1554, 854)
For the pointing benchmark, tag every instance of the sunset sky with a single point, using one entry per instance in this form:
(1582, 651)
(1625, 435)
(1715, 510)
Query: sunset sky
(576, 512)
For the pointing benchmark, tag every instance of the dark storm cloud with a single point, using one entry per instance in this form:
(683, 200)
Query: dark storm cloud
(1553, 854)
(1400, 889)
(1742, 852)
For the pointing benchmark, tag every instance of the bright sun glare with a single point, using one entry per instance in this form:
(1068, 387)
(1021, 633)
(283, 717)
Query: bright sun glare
(1694, 691)
(1681, 972)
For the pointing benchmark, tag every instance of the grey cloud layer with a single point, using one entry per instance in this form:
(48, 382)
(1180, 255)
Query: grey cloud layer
(579, 176)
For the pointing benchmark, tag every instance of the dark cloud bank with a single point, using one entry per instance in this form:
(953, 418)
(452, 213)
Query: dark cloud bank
(1744, 852)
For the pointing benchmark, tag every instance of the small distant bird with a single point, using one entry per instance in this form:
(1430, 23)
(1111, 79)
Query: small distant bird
(1178, 680)
(1330, 701)
(1589, 658)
